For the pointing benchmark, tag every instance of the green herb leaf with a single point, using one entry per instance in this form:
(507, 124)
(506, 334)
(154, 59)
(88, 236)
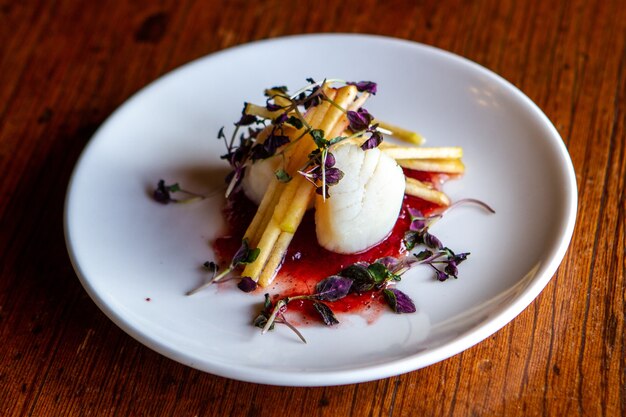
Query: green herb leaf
(318, 138)
(379, 272)
(295, 122)
(282, 175)
(245, 255)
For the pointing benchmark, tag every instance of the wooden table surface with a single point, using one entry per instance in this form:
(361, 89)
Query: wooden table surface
(66, 65)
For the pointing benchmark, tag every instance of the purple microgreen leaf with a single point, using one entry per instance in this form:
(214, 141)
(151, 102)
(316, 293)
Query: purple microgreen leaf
(431, 241)
(327, 315)
(211, 266)
(460, 257)
(323, 191)
(162, 193)
(389, 262)
(423, 255)
(440, 275)
(269, 147)
(365, 86)
(417, 225)
(272, 107)
(330, 160)
(332, 288)
(281, 88)
(374, 140)
(333, 176)
(396, 266)
(359, 120)
(399, 301)
(314, 98)
(451, 269)
(415, 213)
(220, 133)
(247, 284)
(281, 119)
(362, 280)
(246, 119)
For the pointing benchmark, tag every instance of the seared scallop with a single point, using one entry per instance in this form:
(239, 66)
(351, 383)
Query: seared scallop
(364, 206)
(258, 177)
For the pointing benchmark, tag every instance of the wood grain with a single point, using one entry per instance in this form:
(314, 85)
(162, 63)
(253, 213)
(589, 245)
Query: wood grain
(66, 65)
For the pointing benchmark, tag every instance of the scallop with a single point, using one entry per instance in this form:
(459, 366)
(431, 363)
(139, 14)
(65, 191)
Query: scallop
(257, 178)
(363, 207)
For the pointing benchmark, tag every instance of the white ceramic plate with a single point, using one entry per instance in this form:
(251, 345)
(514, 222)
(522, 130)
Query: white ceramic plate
(127, 249)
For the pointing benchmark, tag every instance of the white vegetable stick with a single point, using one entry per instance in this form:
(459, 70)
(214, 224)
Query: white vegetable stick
(424, 191)
(417, 152)
(448, 166)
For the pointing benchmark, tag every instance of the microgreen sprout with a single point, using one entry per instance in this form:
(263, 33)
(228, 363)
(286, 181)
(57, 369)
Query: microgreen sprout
(243, 256)
(281, 109)
(442, 259)
(357, 278)
(163, 194)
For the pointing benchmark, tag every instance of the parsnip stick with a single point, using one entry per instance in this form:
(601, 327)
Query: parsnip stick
(275, 259)
(418, 152)
(272, 195)
(280, 201)
(304, 192)
(401, 133)
(266, 243)
(261, 111)
(449, 166)
(279, 97)
(424, 191)
(258, 223)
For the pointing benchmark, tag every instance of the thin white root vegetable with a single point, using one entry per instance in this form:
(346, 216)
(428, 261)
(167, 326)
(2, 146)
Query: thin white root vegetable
(275, 188)
(417, 152)
(294, 199)
(401, 133)
(425, 191)
(275, 260)
(447, 166)
(280, 97)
